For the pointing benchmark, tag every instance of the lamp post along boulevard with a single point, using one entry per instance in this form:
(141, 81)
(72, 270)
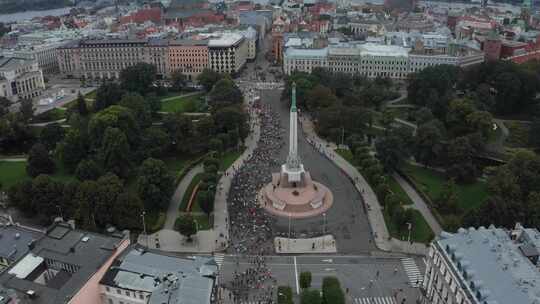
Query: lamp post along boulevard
(292, 193)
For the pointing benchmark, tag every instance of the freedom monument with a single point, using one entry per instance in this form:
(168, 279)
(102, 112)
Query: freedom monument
(292, 193)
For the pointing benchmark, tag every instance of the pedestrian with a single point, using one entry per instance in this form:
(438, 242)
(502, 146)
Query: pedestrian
(395, 270)
(377, 276)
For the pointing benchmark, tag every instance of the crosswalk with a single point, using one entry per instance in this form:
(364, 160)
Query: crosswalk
(219, 257)
(375, 300)
(414, 274)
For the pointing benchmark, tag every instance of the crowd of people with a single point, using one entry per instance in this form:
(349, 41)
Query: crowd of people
(254, 284)
(251, 228)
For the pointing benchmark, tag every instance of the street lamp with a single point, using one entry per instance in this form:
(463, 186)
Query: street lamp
(144, 227)
(324, 228)
(409, 227)
(289, 239)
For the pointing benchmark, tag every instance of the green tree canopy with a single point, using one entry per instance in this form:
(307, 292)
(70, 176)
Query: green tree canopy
(155, 184)
(114, 153)
(39, 161)
(138, 78)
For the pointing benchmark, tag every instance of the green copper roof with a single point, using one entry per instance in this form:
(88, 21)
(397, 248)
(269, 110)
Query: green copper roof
(293, 104)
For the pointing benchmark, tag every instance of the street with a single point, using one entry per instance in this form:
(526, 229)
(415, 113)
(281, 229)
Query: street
(361, 277)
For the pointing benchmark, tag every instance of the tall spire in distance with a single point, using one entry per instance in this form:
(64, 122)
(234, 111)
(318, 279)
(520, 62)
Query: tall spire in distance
(293, 162)
(293, 103)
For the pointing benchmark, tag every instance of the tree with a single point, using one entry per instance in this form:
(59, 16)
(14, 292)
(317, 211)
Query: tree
(448, 199)
(225, 93)
(127, 211)
(534, 132)
(310, 297)
(82, 109)
(305, 279)
(178, 80)
(88, 169)
(107, 94)
(50, 135)
(39, 161)
(72, 149)
(114, 152)
(109, 187)
(4, 105)
(141, 109)
(26, 109)
(460, 160)
(186, 225)
(427, 146)
(138, 78)
(154, 184)
(87, 195)
(481, 122)
(154, 142)
(456, 117)
(393, 148)
(332, 292)
(320, 97)
(20, 196)
(46, 197)
(116, 117)
(205, 199)
(208, 78)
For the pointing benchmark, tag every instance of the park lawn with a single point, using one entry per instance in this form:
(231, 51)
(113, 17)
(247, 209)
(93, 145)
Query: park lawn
(51, 115)
(177, 164)
(203, 222)
(431, 183)
(91, 95)
(14, 172)
(519, 134)
(154, 220)
(185, 199)
(346, 154)
(421, 232)
(227, 159)
(181, 104)
(399, 192)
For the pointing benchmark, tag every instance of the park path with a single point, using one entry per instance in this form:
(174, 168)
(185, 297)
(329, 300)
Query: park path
(176, 200)
(180, 96)
(419, 204)
(375, 215)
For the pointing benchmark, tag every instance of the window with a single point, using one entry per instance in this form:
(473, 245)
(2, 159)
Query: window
(111, 301)
(127, 293)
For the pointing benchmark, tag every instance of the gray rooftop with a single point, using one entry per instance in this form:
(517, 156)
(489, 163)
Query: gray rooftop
(83, 252)
(14, 241)
(492, 266)
(169, 278)
(10, 63)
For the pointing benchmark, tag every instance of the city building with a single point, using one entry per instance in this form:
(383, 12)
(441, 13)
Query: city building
(373, 60)
(15, 242)
(43, 53)
(20, 78)
(139, 276)
(64, 266)
(483, 266)
(188, 56)
(227, 53)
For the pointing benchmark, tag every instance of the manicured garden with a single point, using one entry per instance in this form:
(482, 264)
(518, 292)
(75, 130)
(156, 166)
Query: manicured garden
(227, 159)
(421, 232)
(431, 182)
(181, 103)
(12, 172)
(399, 192)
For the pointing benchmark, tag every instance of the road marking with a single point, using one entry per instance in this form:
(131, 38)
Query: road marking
(329, 269)
(327, 261)
(415, 276)
(375, 300)
(219, 258)
(296, 276)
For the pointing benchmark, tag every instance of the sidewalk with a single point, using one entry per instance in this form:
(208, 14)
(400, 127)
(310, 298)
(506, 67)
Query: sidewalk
(375, 215)
(419, 204)
(322, 244)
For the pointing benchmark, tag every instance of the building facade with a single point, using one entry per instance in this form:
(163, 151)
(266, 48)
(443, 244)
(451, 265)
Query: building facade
(44, 54)
(20, 78)
(371, 60)
(483, 266)
(188, 56)
(227, 53)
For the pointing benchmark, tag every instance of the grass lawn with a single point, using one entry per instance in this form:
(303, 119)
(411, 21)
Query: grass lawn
(154, 220)
(432, 183)
(397, 190)
(227, 159)
(203, 222)
(181, 104)
(420, 229)
(91, 95)
(185, 200)
(14, 172)
(519, 134)
(176, 164)
(346, 154)
(52, 115)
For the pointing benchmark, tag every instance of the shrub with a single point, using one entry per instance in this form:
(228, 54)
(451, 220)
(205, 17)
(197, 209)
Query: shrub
(305, 279)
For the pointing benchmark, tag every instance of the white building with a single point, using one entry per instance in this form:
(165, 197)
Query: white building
(371, 60)
(20, 79)
(228, 53)
(251, 38)
(483, 266)
(151, 277)
(43, 53)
